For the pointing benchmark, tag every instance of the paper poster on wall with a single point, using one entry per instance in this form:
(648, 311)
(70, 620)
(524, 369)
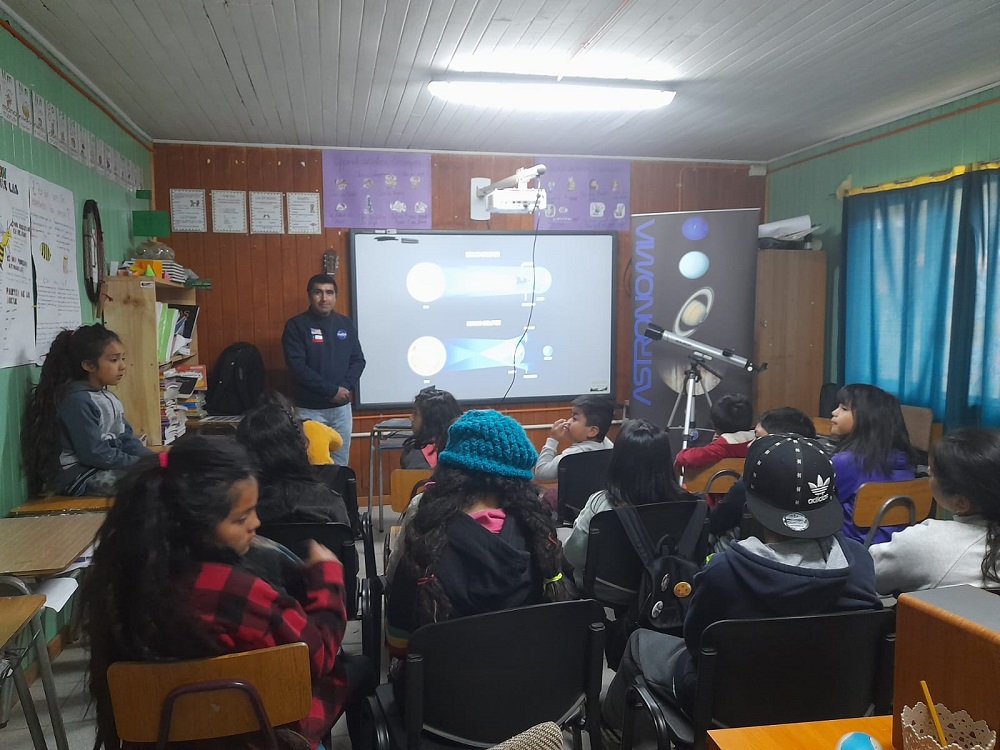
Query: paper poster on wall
(63, 136)
(229, 211)
(73, 139)
(267, 213)
(25, 120)
(585, 194)
(303, 213)
(187, 210)
(52, 124)
(8, 97)
(86, 140)
(38, 109)
(99, 155)
(376, 190)
(53, 250)
(17, 313)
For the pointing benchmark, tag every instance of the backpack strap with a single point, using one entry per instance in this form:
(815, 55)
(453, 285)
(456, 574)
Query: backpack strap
(692, 532)
(637, 534)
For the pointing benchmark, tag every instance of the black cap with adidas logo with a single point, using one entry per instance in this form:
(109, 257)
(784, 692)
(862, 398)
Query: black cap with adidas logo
(790, 487)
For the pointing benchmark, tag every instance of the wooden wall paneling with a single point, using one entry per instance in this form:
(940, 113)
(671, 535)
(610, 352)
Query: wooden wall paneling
(259, 161)
(451, 175)
(229, 172)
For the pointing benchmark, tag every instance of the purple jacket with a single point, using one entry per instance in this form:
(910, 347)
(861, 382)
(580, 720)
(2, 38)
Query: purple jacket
(850, 477)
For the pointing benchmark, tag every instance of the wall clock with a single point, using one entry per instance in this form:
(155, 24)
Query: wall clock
(93, 251)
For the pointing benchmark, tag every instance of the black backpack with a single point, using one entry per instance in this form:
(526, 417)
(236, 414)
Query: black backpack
(669, 568)
(237, 380)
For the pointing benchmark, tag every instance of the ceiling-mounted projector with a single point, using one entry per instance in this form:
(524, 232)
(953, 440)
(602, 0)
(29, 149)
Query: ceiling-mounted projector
(507, 196)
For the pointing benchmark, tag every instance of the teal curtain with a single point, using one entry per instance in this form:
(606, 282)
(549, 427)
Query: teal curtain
(922, 287)
(900, 251)
(984, 247)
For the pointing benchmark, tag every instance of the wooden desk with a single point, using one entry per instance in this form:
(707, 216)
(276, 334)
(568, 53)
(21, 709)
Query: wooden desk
(60, 504)
(814, 735)
(44, 545)
(15, 613)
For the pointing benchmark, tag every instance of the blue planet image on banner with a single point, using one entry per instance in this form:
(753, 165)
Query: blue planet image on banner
(695, 228)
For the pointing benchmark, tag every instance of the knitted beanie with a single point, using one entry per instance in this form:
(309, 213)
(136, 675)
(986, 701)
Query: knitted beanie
(487, 441)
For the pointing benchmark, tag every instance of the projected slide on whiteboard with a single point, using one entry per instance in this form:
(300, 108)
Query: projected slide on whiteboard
(472, 313)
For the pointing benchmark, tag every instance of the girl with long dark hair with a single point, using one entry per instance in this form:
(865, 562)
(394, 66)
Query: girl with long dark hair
(168, 580)
(433, 412)
(965, 465)
(874, 447)
(75, 439)
(641, 471)
(480, 539)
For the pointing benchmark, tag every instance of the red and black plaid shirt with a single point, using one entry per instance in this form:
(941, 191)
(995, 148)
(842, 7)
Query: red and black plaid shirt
(245, 613)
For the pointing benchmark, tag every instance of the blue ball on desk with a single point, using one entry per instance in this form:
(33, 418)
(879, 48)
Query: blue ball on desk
(858, 741)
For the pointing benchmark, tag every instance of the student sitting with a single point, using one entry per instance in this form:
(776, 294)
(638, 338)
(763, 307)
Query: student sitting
(640, 472)
(586, 429)
(965, 465)
(75, 439)
(432, 415)
(724, 519)
(167, 582)
(321, 442)
(480, 539)
(798, 565)
(874, 447)
(732, 420)
(288, 489)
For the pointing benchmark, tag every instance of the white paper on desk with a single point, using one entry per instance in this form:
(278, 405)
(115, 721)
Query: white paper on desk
(85, 560)
(57, 591)
(787, 229)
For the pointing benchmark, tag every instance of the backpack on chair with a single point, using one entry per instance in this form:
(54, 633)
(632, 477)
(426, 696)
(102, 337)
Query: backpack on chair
(667, 581)
(237, 380)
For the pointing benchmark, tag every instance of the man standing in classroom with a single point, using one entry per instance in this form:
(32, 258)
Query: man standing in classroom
(324, 355)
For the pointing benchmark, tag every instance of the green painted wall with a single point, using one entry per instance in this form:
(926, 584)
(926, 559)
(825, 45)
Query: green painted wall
(965, 131)
(115, 203)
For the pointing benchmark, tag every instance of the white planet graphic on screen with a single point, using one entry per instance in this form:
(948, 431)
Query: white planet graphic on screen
(693, 265)
(426, 356)
(425, 282)
(694, 312)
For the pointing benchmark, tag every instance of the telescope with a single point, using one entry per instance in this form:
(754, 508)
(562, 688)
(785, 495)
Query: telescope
(728, 356)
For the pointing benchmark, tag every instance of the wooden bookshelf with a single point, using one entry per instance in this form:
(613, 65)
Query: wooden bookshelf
(130, 311)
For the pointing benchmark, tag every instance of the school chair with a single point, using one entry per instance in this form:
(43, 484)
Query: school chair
(404, 484)
(372, 592)
(56, 504)
(919, 421)
(251, 691)
(459, 693)
(579, 476)
(717, 478)
(776, 671)
(336, 537)
(613, 561)
(880, 504)
(343, 481)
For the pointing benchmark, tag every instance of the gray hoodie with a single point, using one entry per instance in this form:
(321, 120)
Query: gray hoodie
(94, 436)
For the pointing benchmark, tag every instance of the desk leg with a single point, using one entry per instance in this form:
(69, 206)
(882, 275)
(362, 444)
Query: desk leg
(371, 469)
(28, 706)
(48, 683)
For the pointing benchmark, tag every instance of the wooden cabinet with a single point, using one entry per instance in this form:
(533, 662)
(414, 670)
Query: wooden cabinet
(130, 311)
(789, 331)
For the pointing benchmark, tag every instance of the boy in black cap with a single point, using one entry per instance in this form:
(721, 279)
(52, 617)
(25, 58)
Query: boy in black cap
(798, 564)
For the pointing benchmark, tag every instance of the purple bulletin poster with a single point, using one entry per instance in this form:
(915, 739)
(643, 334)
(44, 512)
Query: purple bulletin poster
(376, 190)
(585, 194)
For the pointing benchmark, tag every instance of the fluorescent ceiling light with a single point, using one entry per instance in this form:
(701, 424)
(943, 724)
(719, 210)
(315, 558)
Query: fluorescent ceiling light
(550, 95)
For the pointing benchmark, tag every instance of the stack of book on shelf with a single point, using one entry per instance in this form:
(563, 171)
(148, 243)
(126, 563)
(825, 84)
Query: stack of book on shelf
(194, 387)
(173, 416)
(174, 330)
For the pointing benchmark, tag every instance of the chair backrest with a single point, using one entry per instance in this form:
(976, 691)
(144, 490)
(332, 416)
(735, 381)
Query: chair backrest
(611, 558)
(919, 421)
(794, 669)
(340, 479)
(718, 477)
(140, 692)
(337, 537)
(401, 485)
(872, 496)
(823, 426)
(461, 684)
(579, 476)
